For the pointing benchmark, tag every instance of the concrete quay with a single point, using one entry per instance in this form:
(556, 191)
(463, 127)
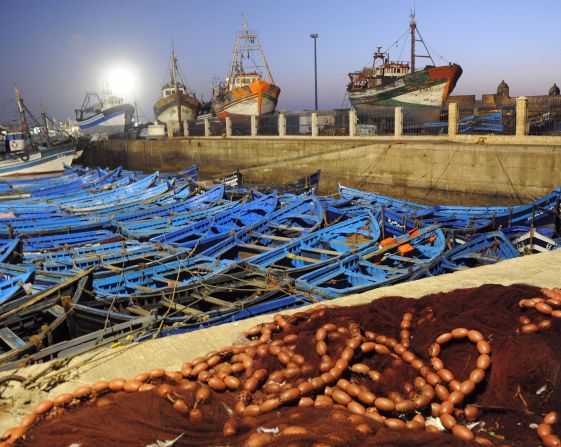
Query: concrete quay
(452, 170)
(170, 352)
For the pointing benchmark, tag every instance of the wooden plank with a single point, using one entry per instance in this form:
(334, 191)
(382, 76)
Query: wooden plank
(302, 258)
(180, 308)
(56, 310)
(11, 339)
(138, 311)
(286, 227)
(323, 251)
(257, 247)
(212, 300)
(143, 288)
(270, 236)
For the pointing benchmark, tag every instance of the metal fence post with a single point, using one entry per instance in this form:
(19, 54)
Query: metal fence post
(398, 122)
(314, 124)
(452, 119)
(353, 120)
(521, 116)
(228, 126)
(253, 125)
(185, 128)
(282, 125)
(207, 128)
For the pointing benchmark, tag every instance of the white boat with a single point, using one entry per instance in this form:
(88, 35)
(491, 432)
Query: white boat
(43, 161)
(176, 104)
(104, 115)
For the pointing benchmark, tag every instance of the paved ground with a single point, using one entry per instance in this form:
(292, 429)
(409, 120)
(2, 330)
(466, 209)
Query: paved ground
(541, 270)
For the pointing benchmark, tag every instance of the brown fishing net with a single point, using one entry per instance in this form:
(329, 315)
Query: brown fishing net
(519, 387)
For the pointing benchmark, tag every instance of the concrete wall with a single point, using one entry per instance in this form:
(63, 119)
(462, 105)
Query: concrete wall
(463, 170)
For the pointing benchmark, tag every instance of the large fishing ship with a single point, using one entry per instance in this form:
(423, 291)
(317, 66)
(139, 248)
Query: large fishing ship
(176, 104)
(400, 83)
(245, 90)
(103, 115)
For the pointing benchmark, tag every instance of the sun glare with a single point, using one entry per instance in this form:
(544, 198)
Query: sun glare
(121, 81)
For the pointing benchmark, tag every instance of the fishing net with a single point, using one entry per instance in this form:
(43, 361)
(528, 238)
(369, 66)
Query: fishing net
(258, 405)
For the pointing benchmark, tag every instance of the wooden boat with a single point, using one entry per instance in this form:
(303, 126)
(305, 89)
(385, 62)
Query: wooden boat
(528, 240)
(62, 241)
(245, 91)
(222, 298)
(53, 225)
(42, 321)
(111, 256)
(204, 200)
(150, 228)
(157, 276)
(320, 247)
(484, 249)
(295, 220)
(12, 280)
(236, 189)
(392, 83)
(393, 260)
(204, 233)
(176, 104)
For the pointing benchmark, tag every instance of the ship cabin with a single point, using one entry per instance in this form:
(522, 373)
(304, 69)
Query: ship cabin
(242, 80)
(169, 89)
(371, 77)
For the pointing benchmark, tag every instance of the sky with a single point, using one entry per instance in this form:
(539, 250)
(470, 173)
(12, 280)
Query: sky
(56, 50)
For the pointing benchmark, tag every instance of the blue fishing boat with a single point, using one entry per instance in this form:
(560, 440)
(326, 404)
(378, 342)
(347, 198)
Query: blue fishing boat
(61, 241)
(320, 247)
(204, 233)
(295, 220)
(157, 277)
(394, 260)
(204, 200)
(7, 249)
(12, 280)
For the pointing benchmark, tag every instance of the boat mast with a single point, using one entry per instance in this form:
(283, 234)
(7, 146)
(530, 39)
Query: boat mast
(413, 27)
(174, 82)
(45, 125)
(21, 110)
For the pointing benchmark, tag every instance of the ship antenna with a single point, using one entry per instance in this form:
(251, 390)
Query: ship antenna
(413, 27)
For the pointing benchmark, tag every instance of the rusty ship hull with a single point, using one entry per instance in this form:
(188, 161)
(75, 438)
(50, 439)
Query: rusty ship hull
(428, 87)
(258, 98)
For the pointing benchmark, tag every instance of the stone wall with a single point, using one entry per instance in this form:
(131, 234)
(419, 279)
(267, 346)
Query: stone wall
(471, 171)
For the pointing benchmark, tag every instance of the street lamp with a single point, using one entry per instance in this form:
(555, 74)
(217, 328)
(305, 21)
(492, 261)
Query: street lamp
(315, 36)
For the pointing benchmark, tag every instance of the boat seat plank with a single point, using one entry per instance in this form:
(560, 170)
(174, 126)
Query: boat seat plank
(10, 338)
(287, 227)
(323, 251)
(143, 288)
(257, 247)
(406, 259)
(270, 236)
(212, 300)
(56, 310)
(138, 311)
(180, 307)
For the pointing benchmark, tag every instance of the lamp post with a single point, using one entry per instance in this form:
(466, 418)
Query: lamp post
(315, 36)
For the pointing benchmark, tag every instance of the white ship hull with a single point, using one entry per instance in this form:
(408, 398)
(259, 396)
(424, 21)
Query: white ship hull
(109, 122)
(39, 163)
(169, 115)
(249, 106)
(429, 96)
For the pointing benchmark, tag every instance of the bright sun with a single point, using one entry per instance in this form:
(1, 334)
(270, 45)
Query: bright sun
(121, 81)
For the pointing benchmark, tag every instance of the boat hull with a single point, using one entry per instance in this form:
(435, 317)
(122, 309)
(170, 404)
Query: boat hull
(44, 162)
(428, 87)
(111, 121)
(165, 110)
(257, 98)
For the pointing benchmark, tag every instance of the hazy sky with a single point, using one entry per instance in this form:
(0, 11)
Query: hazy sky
(56, 50)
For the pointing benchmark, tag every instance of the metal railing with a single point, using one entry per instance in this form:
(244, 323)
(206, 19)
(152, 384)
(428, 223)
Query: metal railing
(509, 116)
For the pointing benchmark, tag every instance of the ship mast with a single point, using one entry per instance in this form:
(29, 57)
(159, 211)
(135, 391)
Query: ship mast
(174, 82)
(414, 32)
(45, 125)
(248, 41)
(21, 110)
